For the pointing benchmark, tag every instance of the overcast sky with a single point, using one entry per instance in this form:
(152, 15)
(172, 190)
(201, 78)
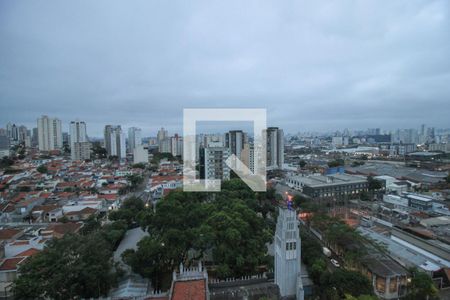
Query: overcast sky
(354, 64)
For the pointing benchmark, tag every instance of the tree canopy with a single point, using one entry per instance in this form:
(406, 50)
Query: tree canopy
(421, 286)
(42, 169)
(131, 210)
(71, 267)
(232, 226)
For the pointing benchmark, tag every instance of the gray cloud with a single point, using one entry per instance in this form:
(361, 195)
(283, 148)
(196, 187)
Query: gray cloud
(314, 67)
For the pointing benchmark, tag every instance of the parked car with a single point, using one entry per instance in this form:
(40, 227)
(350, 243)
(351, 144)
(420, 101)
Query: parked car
(335, 263)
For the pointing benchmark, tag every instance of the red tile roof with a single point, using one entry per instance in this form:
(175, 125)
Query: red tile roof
(20, 242)
(27, 253)
(10, 264)
(189, 290)
(86, 210)
(8, 233)
(63, 228)
(109, 197)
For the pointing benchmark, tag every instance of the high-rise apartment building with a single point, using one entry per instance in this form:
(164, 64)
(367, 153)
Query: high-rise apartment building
(134, 138)
(212, 163)
(162, 134)
(176, 145)
(80, 147)
(275, 148)
(49, 134)
(248, 156)
(165, 145)
(115, 141)
(235, 140)
(4, 146)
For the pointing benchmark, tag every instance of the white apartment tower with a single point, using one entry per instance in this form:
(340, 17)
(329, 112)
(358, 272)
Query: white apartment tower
(213, 164)
(162, 134)
(115, 141)
(134, 138)
(287, 255)
(275, 148)
(49, 134)
(176, 145)
(80, 148)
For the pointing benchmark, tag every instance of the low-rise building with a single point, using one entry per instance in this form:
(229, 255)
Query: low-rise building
(330, 186)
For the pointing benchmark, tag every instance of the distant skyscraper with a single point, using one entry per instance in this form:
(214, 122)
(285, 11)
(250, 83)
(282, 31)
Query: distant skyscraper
(79, 144)
(134, 138)
(4, 146)
(275, 148)
(49, 134)
(34, 137)
(115, 141)
(22, 133)
(165, 145)
(287, 255)
(176, 145)
(235, 140)
(162, 134)
(248, 156)
(9, 130)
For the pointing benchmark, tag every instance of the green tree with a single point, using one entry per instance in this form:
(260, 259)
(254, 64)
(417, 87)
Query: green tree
(318, 267)
(302, 163)
(99, 151)
(421, 286)
(346, 282)
(138, 166)
(374, 184)
(361, 297)
(135, 180)
(300, 200)
(231, 224)
(73, 267)
(336, 163)
(6, 162)
(42, 169)
(130, 211)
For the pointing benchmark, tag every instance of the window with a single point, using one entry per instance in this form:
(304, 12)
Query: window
(291, 246)
(381, 285)
(393, 285)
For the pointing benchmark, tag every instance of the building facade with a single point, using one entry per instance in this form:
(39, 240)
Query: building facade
(49, 134)
(212, 163)
(134, 138)
(80, 148)
(115, 141)
(288, 255)
(275, 148)
(337, 186)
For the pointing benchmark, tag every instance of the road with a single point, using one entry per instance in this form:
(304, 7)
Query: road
(140, 190)
(281, 189)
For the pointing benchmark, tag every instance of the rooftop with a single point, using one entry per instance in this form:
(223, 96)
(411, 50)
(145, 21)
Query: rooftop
(329, 180)
(189, 290)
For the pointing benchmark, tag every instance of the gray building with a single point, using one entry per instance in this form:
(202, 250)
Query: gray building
(212, 163)
(4, 146)
(275, 148)
(337, 186)
(287, 255)
(235, 140)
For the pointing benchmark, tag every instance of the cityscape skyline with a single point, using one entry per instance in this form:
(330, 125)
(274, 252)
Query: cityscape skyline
(211, 150)
(391, 69)
(220, 128)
